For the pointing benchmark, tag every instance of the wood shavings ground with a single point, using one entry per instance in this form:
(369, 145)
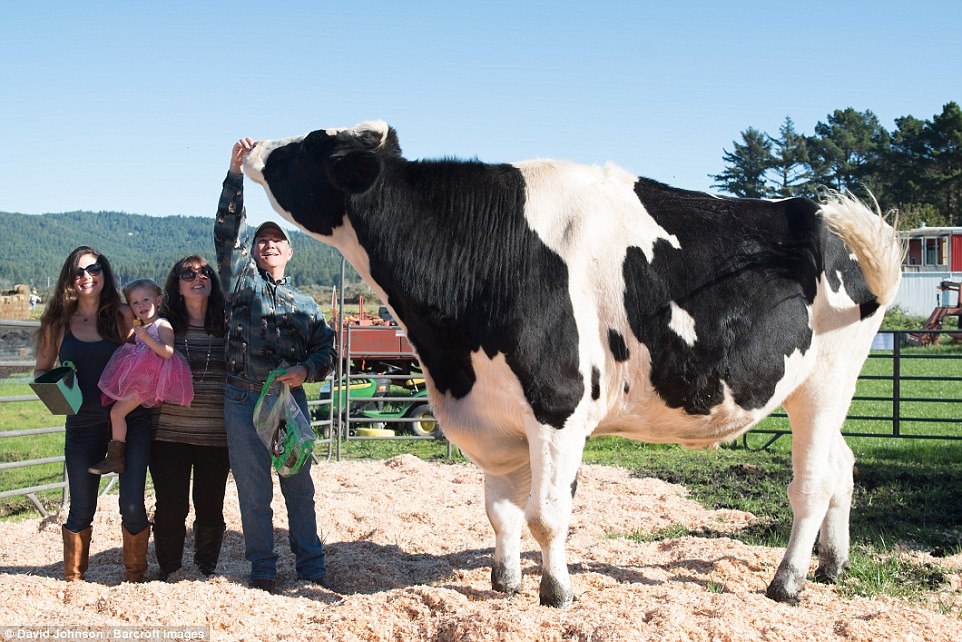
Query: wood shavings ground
(409, 548)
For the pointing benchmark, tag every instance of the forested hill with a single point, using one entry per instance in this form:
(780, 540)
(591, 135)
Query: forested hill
(33, 247)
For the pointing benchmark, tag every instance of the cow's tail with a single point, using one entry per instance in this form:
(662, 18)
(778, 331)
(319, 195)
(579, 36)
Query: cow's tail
(874, 242)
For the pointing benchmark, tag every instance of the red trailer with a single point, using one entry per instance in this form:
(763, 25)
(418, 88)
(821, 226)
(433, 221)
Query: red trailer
(374, 343)
(933, 249)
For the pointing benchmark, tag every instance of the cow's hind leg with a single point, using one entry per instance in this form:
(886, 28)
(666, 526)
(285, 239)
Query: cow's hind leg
(820, 493)
(833, 537)
(555, 458)
(504, 498)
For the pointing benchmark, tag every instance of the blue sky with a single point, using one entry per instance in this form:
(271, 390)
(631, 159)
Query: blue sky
(134, 106)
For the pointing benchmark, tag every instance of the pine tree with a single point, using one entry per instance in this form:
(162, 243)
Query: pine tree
(747, 165)
(790, 161)
(944, 139)
(844, 148)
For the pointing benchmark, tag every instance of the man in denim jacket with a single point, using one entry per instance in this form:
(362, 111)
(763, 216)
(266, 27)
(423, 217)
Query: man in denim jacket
(270, 325)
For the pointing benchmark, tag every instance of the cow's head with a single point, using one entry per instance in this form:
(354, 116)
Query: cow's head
(308, 178)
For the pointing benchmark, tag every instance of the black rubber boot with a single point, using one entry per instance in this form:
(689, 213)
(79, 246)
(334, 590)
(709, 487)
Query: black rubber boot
(207, 545)
(169, 551)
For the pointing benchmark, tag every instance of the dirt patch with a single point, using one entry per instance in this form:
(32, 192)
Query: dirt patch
(409, 547)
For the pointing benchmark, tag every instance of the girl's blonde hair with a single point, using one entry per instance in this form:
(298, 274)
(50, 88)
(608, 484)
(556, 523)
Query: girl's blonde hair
(142, 284)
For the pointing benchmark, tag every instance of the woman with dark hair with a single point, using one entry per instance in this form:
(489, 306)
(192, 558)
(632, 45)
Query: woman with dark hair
(192, 440)
(85, 322)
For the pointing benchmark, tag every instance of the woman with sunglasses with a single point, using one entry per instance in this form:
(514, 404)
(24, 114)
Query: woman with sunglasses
(192, 442)
(84, 322)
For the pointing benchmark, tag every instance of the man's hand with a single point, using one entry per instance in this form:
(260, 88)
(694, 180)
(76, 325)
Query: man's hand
(241, 149)
(294, 377)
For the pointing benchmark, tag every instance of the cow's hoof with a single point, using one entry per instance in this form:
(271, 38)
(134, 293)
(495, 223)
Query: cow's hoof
(780, 595)
(786, 587)
(554, 594)
(830, 573)
(503, 581)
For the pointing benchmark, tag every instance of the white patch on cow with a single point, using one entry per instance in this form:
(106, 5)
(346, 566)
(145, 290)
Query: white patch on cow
(641, 414)
(587, 209)
(590, 216)
(834, 307)
(683, 324)
(644, 416)
(379, 127)
(496, 407)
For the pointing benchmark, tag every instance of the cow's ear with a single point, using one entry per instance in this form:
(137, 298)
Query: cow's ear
(356, 171)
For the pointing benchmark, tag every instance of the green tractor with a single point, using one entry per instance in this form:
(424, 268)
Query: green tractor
(377, 402)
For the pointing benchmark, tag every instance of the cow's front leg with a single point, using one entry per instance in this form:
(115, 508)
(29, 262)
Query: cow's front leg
(555, 458)
(504, 498)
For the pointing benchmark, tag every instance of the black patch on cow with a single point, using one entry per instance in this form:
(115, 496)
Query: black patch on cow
(312, 178)
(842, 270)
(595, 383)
(746, 270)
(627, 387)
(617, 345)
(866, 310)
(298, 177)
(449, 243)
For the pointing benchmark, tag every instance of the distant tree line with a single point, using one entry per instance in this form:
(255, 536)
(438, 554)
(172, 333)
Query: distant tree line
(917, 168)
(33, 248)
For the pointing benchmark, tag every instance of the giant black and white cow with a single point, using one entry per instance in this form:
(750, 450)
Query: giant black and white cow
(550, 301)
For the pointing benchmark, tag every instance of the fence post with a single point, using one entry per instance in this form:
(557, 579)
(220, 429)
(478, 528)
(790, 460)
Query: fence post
(896, 383)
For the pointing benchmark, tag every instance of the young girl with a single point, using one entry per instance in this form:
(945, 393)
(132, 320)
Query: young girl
(144, 373)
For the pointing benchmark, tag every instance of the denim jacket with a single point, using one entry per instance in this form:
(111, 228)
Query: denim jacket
(270, 324)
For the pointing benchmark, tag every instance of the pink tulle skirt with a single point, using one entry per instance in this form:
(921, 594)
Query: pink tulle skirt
(135, 369)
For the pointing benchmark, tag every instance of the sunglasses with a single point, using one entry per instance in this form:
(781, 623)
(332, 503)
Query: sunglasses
(93, 270)
(189, 275)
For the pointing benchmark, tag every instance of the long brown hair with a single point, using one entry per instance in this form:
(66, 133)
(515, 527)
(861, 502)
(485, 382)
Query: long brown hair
(56, 314)
(175, 310)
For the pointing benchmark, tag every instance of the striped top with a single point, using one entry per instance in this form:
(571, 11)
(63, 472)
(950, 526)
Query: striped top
(202, 424)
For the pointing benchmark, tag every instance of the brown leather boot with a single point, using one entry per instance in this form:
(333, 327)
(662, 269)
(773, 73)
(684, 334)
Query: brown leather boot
(76, 553)
(114, 462)
(135, 554)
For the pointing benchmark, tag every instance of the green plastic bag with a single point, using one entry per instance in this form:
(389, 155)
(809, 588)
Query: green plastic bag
(282, 426)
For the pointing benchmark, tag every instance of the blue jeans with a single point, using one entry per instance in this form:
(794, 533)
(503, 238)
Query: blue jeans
(87, 446)
(251, 466)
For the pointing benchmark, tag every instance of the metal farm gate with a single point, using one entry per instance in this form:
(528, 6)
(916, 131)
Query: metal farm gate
(904, 393)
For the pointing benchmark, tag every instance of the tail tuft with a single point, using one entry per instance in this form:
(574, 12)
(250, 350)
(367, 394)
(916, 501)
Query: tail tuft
(874, 242)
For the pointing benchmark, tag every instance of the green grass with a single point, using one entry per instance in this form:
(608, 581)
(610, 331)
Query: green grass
(671, 532)
(21, 416)
(906, 498)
